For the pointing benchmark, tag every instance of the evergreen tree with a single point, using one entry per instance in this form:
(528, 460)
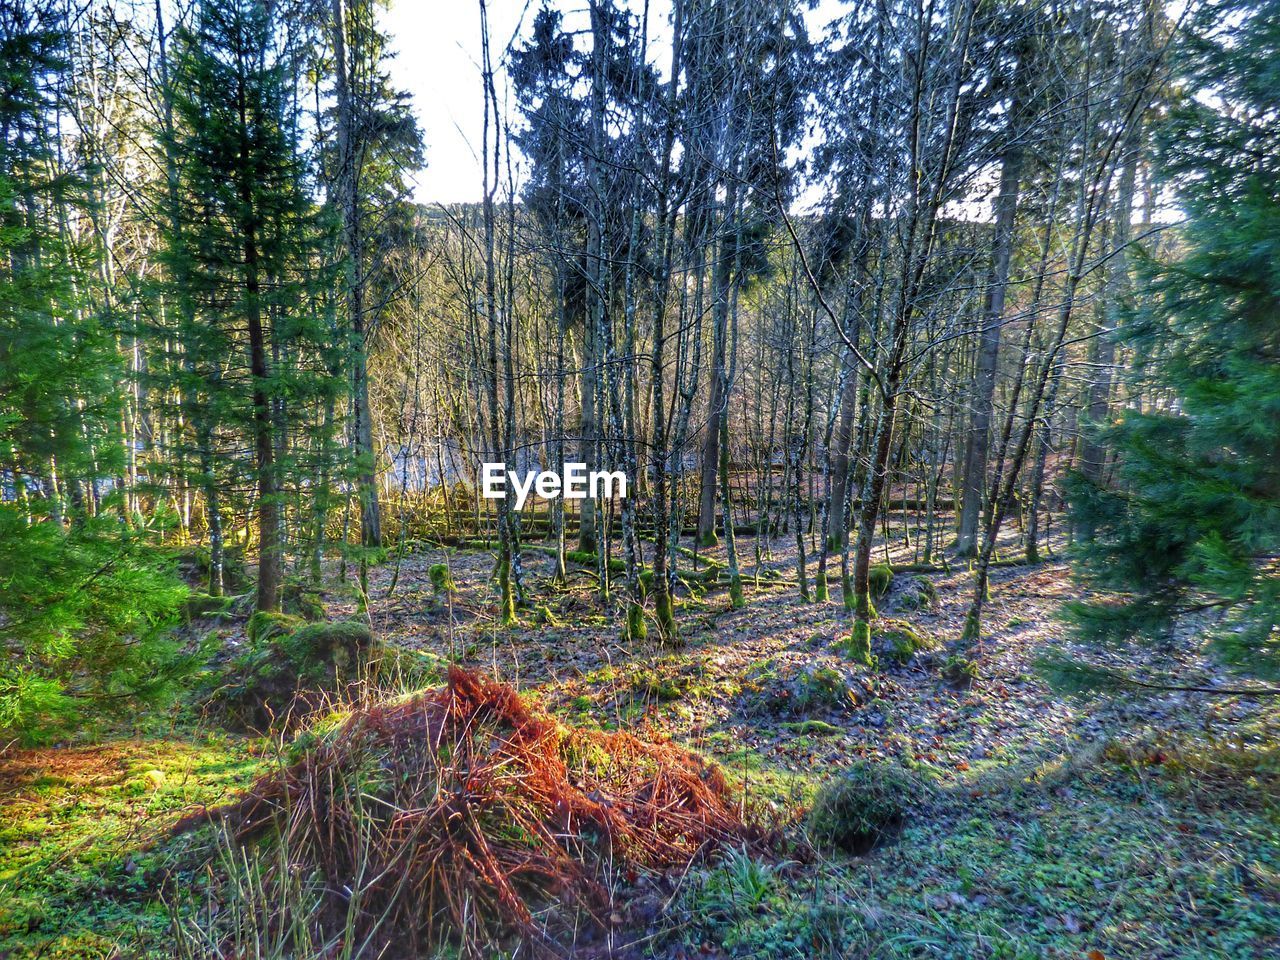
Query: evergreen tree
(1191, 523)
(83, 609)
(243, 262)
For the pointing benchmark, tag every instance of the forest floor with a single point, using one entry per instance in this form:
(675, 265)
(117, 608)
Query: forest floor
(1053, 828)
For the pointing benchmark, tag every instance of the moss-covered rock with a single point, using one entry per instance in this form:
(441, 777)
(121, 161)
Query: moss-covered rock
(861, 806)
(265, 625)
(301, 599)
(789, 689)
(441, 579)
(916, 593)
(958, 670)
(880, 579)
(899, 641)
(321, 651)
(199, 605)
(288, 668)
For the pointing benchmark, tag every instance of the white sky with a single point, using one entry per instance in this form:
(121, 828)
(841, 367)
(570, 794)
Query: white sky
(437, 47)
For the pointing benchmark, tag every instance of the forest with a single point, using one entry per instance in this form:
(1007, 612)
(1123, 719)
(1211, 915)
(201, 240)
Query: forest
(819, 497)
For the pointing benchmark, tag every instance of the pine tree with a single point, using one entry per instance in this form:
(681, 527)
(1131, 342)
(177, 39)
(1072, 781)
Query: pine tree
(1191, 523)
(243, 261)
(84, 607)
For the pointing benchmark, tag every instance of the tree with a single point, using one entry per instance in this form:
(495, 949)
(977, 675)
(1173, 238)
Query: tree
(245, 248)
(1191, 523)
(376, 142)
(83, 607)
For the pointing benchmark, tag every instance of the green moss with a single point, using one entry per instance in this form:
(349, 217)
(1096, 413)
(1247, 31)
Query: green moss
(321, 650)
(656, 686)
(204, 605)
(264, 625)
(586, 558)
(736, 599)
(85, 850)
(959, 670)
(774, 689)
(814, 728)
(857, 646)
(880, 578)
(636, 628)
(861, 806)
(281, 668)
(441, 578)
(900, 641)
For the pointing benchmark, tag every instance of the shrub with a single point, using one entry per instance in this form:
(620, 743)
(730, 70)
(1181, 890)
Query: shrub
(861, 806)
(86, 618)
(734, 890)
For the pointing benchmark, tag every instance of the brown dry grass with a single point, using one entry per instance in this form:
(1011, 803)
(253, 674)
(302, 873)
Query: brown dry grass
(461, 815)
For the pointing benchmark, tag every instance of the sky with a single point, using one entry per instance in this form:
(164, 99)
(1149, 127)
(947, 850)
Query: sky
(437, 47)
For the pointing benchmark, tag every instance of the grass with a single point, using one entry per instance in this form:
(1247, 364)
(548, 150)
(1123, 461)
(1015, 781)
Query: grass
(83, 848)
(1137, 851)
(1179, 862)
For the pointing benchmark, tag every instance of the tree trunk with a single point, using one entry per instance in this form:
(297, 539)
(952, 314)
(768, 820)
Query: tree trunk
(349, 199)
(984, 381)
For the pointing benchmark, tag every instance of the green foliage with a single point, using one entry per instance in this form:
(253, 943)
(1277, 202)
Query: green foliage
(85, 623)
(734, 890)
(1192, 519)
(861, 806)
(84, 607)
(59, 409)
(193, 565)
